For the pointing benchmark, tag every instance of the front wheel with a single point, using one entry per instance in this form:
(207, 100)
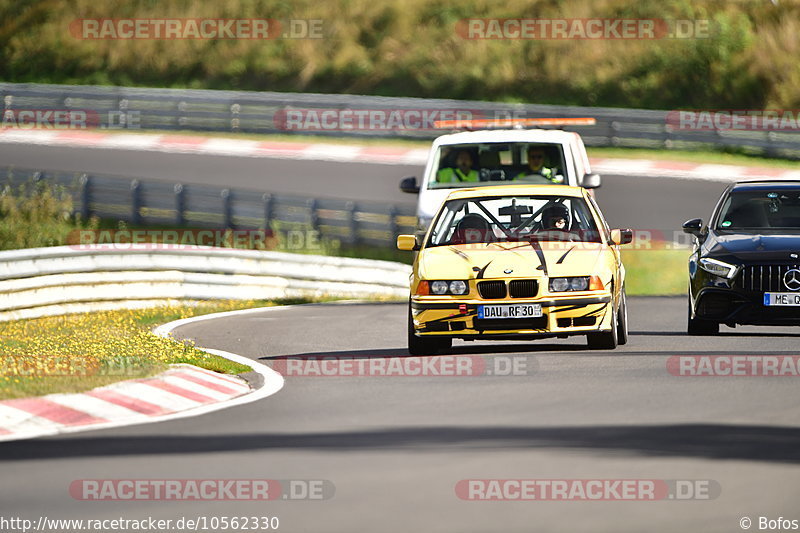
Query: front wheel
(605, 340)
(698, 326)
(622, 319)
(425, 345)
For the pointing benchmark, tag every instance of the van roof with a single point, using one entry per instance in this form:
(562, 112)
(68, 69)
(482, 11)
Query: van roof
(507, 136)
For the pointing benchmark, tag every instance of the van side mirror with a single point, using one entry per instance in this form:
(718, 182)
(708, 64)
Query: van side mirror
(409, 185)
(591, 181)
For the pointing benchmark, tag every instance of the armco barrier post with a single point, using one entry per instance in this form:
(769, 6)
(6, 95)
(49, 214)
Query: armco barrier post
(136, 202)
(393, 232)
(268, 206)
(351, 218)
(313, 215)
(180, 204)
(227, 208)
(85, 184)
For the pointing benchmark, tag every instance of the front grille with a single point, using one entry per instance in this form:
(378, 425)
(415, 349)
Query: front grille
(763, 278)
(523, 288)
(492, 290)
(510, 323)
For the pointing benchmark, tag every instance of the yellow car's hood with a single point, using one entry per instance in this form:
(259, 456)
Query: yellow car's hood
(523, 259)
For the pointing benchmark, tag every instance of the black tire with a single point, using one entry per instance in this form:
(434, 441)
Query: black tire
(425, 345)
(699, 327)
(622, 320)
(605, 340)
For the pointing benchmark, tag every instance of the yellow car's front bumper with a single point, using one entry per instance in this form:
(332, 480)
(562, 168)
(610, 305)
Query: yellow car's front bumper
(561, 316)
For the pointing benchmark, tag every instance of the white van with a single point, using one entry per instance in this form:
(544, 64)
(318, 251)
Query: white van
(498, 157)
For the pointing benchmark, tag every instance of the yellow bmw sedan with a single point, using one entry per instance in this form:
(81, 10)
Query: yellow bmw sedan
(517, 262)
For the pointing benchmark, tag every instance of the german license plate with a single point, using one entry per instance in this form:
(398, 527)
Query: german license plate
(510, 311)
(782, 298)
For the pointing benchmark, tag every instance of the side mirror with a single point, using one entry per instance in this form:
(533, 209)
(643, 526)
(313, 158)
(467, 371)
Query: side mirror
(409, 185)
(621, 236)
(693, 227)
(591, 181)
(407, 243)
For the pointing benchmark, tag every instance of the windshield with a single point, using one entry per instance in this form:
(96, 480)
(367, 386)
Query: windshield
(460, 165)
(762, 209)
(519, 218)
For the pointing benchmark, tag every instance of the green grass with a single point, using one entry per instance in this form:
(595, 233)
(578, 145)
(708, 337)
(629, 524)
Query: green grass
(74, 353)
(656, 272)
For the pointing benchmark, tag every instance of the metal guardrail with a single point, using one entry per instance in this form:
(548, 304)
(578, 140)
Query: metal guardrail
(63, 279)
(143, 202)
(262, 112)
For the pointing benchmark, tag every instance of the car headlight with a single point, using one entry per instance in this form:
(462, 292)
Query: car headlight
(718, 268)
(579, 283)
(457, 287)
(439, 287)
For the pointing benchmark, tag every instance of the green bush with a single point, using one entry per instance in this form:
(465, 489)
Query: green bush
(37, 214)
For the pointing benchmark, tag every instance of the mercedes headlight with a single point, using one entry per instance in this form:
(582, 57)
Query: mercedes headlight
(718, 268)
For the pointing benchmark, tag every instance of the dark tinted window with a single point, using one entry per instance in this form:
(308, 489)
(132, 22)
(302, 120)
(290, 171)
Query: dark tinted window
(761, 209)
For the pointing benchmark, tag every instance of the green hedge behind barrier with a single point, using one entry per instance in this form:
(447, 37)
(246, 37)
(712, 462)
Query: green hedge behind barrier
(412, 48)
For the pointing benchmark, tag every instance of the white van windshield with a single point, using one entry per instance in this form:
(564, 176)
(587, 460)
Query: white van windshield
(469, 165)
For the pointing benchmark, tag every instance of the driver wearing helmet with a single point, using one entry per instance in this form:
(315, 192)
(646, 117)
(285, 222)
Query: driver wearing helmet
(556, 222)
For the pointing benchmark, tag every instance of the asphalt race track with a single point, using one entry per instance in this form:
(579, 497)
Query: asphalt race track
(394, 448)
